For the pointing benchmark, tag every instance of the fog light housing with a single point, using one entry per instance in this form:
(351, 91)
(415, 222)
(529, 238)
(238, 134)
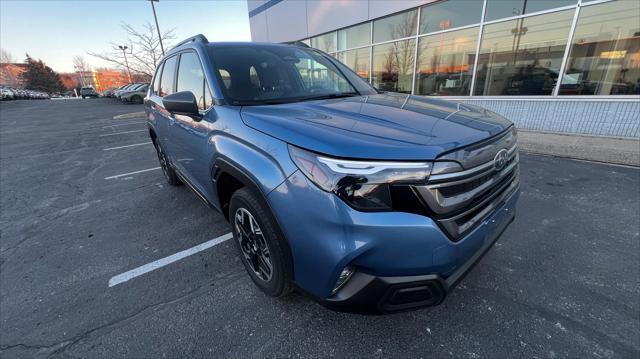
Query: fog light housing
(344, 276)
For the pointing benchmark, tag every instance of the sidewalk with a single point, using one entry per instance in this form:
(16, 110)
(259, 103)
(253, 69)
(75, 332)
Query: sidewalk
(622, 151)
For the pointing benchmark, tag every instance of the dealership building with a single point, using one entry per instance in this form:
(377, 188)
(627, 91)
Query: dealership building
(552, 66)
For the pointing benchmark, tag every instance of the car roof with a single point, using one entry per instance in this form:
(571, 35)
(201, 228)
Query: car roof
(227, 44)
(248, 44)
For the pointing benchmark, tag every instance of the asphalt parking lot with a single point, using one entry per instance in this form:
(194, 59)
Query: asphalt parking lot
(83, 202)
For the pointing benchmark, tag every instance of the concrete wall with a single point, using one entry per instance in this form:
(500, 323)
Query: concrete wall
(614, 118)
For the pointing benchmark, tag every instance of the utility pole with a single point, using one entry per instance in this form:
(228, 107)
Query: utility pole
(124, 48)
(155, 17)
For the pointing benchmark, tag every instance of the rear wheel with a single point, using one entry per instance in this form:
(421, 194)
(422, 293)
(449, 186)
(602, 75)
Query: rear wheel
(264, 253)
(168, 171)
(136, 99)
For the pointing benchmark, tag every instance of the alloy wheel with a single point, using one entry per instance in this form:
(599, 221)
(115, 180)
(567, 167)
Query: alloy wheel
(163, 161)
(253, 244)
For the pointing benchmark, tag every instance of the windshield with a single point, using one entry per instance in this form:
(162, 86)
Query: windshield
(277, 74)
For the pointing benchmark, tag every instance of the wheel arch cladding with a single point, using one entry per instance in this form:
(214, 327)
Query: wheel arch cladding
(228, 176)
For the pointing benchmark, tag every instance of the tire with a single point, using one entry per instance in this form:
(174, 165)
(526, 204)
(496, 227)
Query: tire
(168, 171)
(83, 97)
(136, 99)
(279, 283)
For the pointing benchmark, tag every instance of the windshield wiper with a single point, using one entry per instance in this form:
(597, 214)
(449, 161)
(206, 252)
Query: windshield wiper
(329, 96)
(279, 101)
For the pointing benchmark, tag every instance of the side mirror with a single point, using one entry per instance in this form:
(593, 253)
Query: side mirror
(182, 103)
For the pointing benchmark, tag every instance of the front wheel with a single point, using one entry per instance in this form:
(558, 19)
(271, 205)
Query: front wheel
(264, 253)
(136, 99)
(168, 171)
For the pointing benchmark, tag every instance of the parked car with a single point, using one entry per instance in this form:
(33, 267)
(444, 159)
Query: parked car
(10, 93)
(6, 94)
(133, 87)
(135, 95)
(88, 91)
(125, 88)
(368, 201)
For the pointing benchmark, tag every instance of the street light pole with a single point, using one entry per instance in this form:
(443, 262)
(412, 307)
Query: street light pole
(123, 48)
(155, 17)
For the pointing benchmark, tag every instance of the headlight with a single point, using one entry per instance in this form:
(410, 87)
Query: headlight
(362, 184)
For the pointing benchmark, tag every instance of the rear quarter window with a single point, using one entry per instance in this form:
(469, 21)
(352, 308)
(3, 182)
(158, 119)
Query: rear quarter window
(167, 78)
(156, 79)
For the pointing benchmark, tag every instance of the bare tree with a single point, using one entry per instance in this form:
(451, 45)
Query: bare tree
(6, 57)
(143, 49)
(81, 64)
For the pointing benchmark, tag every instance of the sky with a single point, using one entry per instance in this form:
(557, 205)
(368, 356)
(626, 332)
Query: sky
(56, 31)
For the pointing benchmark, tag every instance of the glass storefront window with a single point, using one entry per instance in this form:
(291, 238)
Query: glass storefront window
(449, 14)
(326, 42)
(500, 9)
(605, 54)
(354, 36)
(523, 56)
(358, 60)
(445, 63)
(395, 27)
(392, 68)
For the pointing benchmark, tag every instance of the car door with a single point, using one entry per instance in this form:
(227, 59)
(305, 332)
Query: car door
(162, 119)
(190, 135)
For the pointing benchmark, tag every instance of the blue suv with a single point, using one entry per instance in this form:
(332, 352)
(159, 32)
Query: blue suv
(370, 202)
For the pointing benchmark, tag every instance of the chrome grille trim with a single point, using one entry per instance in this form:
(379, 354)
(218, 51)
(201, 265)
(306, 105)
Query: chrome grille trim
(456, 230)
(482, 167)
(480, 153)
(459, 201)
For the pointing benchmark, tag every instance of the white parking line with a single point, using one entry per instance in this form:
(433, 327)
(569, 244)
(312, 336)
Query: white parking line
(120, 133)
(131, 173)
(119, 147)
(125, 124)
(136, 272)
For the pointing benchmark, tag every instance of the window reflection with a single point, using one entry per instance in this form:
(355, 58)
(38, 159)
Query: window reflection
(395, 27)
(605, 54)
(357, 60)
(499, 9)
(447, 14)
(393, 66)
(166, 81)
(191, 78)
(326, 42)
(445, 62)
(354, 36)
(523, 56)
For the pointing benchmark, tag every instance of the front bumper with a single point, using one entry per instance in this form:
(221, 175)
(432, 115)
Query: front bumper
(402, 260)
(369, 294)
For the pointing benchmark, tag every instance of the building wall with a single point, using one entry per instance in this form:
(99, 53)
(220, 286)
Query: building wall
(570, 66)
(11, 74)
(289, 20)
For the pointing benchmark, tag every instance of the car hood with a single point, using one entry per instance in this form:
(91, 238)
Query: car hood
(385, 126)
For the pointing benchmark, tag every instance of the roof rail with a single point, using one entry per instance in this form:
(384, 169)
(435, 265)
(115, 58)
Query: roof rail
(299, 43)
(198, 38)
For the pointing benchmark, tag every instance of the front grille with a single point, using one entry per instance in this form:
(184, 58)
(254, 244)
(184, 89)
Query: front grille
(461, 200)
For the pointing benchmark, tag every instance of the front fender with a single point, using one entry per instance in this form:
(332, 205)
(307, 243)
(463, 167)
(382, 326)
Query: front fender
(262, 160)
